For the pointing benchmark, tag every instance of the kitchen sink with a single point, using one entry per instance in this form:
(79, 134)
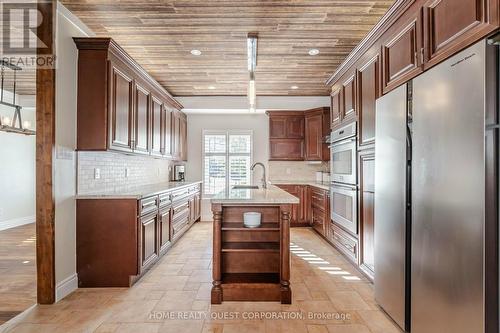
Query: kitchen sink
(245, 187)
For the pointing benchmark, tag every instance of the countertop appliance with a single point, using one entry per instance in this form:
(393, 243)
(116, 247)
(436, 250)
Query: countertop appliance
(179, 173)
(430, 245)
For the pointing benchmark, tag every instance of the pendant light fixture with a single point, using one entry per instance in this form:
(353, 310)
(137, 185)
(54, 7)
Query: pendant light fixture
(252, 64)
(16, 124)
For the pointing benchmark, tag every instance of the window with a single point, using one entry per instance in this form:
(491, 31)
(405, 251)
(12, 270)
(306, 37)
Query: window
(227, 157)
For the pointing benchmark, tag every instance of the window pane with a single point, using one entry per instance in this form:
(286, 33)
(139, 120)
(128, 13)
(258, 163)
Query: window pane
(214, 179)
(239, 170)
(240, 143)
(215, 143)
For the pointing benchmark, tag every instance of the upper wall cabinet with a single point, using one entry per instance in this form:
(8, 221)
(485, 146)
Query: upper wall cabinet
(402, 54)
(415, 35)
(120, 107)
(142, 125)
(286, 125)
(368, 91)
(286, 135)
(452, 24)
(317, 126)
(120, 112)
(298, 135)
(348, 105)
(179, 135)
(335, 108)
(156, 126)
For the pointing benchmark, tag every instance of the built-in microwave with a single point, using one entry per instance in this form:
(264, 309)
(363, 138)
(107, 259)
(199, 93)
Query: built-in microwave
(343, 155)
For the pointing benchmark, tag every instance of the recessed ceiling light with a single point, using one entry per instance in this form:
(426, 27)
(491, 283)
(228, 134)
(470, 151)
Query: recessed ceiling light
(196, 52)
(313, 52)
(294, 87)
(211, 87)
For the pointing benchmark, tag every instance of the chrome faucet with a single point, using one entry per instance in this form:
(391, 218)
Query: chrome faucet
(264, 181)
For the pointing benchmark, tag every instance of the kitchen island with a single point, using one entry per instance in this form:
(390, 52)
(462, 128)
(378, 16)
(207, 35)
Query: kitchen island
(252, 264)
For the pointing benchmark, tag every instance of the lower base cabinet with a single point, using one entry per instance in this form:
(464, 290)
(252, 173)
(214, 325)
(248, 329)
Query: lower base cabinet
(150, 251)
(118, 240)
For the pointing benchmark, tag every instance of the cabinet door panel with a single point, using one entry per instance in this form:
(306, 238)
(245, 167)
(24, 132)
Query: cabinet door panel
(156, 126)
(286, 149)
(366, 206)
(449, 23)
(335, 109)
(183, 138)
(368, 92)
(295, 127)
(165, 220)
(142, 120)
(149, 240)
(313, 138)
(277, 127)
(121, 87)
(176, 135)
(401, 55)
(167, 131)
(349, 99)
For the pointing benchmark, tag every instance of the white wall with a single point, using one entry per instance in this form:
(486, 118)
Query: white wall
(17, 171)
(65, 160)
(258, 123)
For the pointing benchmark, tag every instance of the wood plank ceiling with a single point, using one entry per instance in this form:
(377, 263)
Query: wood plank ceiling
(160, 34)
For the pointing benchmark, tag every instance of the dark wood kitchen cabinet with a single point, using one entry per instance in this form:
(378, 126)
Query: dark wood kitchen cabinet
(157, 133)
(149, 240)
(118, 240)
(286, 125)
(299, 213)
(120, 106)
(367, 211)
(335, 100)
(402, 53)
(142, 124)
(320, 209)
(367, 93)
(179, 135)
(120, 111)
(348, 105)
(286, 135)
(298, 135)
(451, 24)
(317, 126)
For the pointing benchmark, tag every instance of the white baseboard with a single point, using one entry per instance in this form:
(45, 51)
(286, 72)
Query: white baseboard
(16, 222)
(66, 287)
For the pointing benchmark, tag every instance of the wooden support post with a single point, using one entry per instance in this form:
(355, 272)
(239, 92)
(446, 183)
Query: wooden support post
(216, 297)
(45, 143)
(286, 292)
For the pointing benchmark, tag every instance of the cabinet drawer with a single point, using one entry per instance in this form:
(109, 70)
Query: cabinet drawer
(344, 242)
(318, 219)
(180, 210)
(164, 200)
(318, 198)
(148, 205)
(180, 195)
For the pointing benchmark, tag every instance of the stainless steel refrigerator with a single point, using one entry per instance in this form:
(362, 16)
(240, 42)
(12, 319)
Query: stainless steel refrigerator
(430, 196)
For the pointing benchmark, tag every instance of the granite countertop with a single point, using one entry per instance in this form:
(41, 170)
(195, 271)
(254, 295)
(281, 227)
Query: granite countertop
(322, 185)
(138, 192)
(271, 195)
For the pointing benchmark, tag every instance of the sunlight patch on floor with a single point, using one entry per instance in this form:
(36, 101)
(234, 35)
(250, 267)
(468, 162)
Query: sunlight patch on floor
(311, 258)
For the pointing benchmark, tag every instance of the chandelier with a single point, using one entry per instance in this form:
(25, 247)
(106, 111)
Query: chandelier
(16, 123)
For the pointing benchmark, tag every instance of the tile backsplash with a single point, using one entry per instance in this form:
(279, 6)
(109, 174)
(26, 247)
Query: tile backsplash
(142, 170)
(284, 170)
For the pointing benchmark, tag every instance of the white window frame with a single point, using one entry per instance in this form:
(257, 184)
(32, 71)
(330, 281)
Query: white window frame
(227, 154)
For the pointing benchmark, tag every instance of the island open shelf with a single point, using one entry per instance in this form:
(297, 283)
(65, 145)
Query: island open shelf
(251, 264)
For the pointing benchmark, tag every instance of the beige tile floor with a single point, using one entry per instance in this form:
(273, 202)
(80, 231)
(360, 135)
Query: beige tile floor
(323, 284)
